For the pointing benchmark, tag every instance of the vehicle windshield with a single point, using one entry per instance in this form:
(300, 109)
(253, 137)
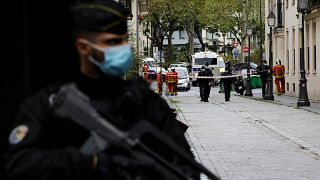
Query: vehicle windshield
(182, 74)
(202, 61)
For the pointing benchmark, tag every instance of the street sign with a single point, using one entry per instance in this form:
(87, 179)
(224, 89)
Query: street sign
(235, 53)
(246, 49)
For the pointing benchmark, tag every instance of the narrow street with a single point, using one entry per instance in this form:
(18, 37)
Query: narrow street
(251, 139)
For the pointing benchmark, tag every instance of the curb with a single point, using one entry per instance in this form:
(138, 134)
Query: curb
(188, 134)
(277, 102)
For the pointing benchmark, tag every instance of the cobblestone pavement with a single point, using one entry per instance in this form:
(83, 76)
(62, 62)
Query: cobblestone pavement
(251, 139)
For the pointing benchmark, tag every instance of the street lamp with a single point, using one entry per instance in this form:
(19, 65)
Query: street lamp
(260, 16)
(302, 6)
(269, 91)
(248, 85)
(147, 32)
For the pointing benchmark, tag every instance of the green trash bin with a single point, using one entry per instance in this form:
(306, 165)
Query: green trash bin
(256, 81)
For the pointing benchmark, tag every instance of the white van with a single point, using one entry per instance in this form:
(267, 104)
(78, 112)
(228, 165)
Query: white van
(149, 60)
(199, 60)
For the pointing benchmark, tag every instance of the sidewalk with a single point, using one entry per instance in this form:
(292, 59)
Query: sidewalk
(249, 138)
(286, 100)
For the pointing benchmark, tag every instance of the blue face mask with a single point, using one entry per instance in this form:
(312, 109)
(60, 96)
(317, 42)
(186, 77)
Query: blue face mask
(117, 60)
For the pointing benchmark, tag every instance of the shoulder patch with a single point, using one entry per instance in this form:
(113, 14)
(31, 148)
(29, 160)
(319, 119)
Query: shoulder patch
(18, 134)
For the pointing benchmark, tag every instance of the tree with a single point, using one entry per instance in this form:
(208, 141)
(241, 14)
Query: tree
(189, 17)
(194, 15)
(232, 16)
(164, 15)
(136, 61)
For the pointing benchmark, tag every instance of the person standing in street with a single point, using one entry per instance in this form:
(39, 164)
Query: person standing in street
(278, 71)
(204, 82)
(159, 83)
(145, 71)
(227, 80)
(263, 71)
(43, 146)
(200, 81)
(175, 82)
(209, 82)
(169, 81)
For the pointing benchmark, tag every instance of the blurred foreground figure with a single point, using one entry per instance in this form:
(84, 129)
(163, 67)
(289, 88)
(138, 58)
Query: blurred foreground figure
(44, 146)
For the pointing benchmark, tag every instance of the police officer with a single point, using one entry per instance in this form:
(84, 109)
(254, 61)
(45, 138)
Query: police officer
(43, 146)
(263, 71)
(201, 82)
(205, 82)
(227, 81)
(209, 83)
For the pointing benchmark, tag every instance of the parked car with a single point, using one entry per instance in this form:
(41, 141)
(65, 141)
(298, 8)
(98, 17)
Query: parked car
(183, 78)
(241, 69)
(163, 70)
(176, 65)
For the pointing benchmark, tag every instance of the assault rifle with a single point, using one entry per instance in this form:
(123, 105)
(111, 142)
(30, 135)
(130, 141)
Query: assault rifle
(71, 103)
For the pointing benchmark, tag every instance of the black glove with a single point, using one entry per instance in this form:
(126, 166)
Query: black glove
(121, 162)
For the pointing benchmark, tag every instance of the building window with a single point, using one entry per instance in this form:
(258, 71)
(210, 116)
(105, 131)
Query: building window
(293, 87)
(315, 59)
(314, 36)
(287, 3)
(294, 61)
(287, 52)
(288, 64)
(293, 51)
(181, 35)
(299, 59)
(307, 53)
(288, 87)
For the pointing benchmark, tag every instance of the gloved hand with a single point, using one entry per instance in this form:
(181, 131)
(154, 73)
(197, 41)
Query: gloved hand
(121, 162)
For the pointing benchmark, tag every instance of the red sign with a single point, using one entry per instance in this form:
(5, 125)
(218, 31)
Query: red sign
(246, 49)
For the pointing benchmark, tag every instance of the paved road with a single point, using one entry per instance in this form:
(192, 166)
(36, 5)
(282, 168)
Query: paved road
(249, 139)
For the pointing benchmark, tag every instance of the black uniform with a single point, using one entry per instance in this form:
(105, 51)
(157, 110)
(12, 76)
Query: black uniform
(204, 84)
(263, 72)
(227, 82)
(48, 148)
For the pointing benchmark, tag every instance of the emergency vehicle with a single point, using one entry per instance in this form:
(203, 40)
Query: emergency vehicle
(199, 59)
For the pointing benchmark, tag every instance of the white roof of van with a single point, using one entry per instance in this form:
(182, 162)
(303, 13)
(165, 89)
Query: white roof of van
(149, 59)
(206, 52)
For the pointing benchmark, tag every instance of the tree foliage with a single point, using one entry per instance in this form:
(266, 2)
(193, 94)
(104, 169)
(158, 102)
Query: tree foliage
(216, 15)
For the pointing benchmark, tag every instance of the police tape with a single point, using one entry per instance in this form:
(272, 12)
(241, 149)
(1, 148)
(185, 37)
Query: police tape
(204, 77)
(214, 77)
